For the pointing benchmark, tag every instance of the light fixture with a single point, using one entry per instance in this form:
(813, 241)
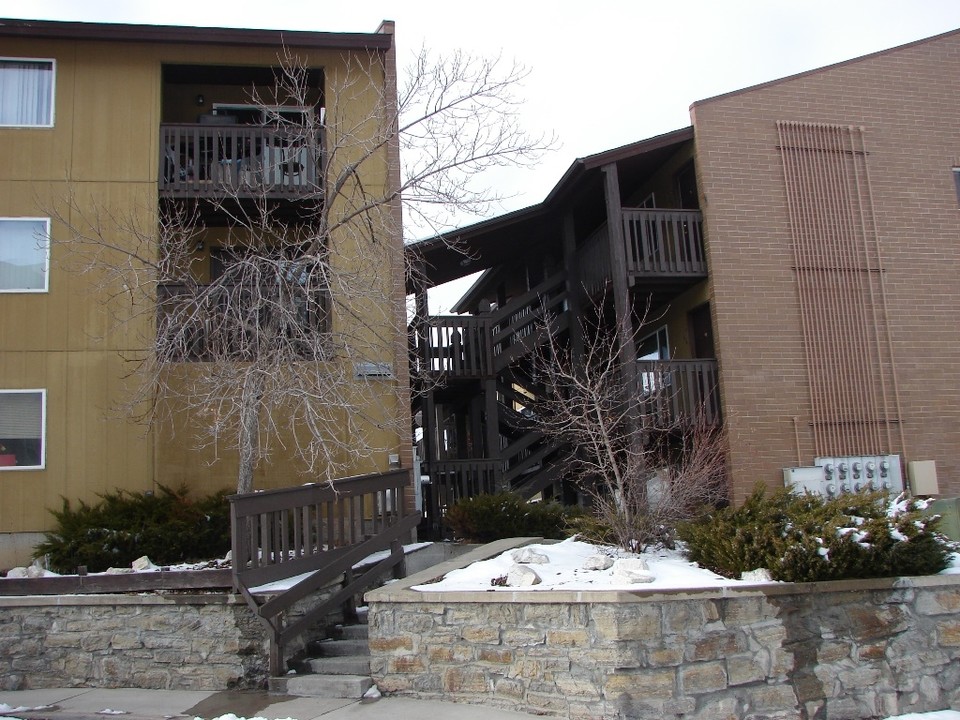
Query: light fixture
(201, 100)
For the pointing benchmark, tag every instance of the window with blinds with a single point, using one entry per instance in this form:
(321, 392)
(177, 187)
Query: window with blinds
(26, 92)
(22, 416)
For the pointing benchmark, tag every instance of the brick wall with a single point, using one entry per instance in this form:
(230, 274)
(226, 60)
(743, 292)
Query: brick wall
(906, 109)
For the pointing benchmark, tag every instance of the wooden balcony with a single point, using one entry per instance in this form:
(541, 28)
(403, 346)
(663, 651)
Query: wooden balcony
(455, 346)
(664, 243)
(201, 323)
(662, 247)
(242, 161)
(674, 392)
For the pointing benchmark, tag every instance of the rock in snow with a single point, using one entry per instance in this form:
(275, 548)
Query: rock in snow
(522, 576)
(598, 562)
(632, 570)
(143, 563)
(527, 556)
(759, 575)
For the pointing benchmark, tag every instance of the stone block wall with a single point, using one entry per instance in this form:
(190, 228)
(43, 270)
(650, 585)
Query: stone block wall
(199, 642)
(838, 651)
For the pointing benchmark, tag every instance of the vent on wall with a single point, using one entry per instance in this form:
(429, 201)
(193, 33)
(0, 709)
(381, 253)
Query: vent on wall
(373, 370)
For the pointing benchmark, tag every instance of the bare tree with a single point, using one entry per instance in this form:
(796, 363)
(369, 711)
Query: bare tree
(643, 472)
(298, 343)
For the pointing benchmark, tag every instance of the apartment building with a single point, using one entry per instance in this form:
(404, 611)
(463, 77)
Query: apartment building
(109, 131)
(787, 267)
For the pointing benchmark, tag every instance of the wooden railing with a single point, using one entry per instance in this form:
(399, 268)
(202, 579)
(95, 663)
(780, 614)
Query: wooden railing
(454, 345)
(204, 321)
(678, 391)
(323, 530)
(664, 243)
(454, 480)
(203, 160)
(593, 261)
(520, 325)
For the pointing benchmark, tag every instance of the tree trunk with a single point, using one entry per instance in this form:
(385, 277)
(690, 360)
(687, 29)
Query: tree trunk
(249, 440)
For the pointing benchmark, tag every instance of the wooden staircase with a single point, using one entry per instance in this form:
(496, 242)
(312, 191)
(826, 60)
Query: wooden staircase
(467, 358)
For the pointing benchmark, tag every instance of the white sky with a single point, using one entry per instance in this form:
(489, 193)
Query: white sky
(604, 73)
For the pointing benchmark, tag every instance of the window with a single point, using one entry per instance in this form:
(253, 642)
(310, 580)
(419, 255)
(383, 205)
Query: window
(22, 422)
(24, 254)
(26, 92)
(655, 346)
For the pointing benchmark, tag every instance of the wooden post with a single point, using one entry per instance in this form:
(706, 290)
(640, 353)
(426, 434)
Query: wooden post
(618, 272)
(574, 287)
(623, 307)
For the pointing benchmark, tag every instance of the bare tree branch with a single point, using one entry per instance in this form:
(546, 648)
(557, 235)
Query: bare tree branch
(293, 346)
(643, 474)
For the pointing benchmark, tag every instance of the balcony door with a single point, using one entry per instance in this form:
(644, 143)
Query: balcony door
(701, 332)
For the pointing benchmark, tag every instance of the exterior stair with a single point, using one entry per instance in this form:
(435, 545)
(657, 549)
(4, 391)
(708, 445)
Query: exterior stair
(337, 667)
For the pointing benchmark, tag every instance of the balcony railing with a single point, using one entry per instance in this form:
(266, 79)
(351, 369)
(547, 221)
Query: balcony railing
(216, 161)
(672, 392)
(454, 345)
(205, 322)
(664, 243)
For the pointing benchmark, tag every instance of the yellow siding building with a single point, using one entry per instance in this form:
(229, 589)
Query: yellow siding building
(105, 126)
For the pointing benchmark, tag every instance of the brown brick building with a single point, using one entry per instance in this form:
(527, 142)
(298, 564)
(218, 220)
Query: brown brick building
(800, 245)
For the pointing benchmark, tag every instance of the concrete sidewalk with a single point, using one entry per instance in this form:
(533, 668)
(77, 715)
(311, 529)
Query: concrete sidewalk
(135, 704)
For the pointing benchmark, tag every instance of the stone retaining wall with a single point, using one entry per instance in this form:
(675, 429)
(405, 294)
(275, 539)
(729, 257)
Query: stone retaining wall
(186, 642)
(846, 650)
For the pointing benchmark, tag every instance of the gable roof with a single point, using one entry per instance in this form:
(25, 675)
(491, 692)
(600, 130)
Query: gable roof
(491, 242)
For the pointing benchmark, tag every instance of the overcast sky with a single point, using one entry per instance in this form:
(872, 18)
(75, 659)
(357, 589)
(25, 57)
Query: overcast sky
(604, 73)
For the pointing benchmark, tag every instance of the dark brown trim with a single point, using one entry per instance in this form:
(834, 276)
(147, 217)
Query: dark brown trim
(171, 34)
(623, 152)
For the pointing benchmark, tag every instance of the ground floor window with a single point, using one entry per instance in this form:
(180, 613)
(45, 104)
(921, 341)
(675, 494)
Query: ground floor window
(22, 429)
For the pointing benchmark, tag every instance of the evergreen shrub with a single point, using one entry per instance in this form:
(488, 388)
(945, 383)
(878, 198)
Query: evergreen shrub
(806, 538)
(486, 518)
(168, 527)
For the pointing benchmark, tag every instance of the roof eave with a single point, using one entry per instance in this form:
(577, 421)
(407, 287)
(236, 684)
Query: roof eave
(184, 35)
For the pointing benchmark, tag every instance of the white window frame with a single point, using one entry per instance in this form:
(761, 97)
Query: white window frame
(663, 348)
(53, 90)
(43, 428)
(46, 256)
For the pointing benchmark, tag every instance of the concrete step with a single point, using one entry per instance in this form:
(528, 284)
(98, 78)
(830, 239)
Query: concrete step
(351, 632)
(351, 665)
(339, 648)
(326, 686)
